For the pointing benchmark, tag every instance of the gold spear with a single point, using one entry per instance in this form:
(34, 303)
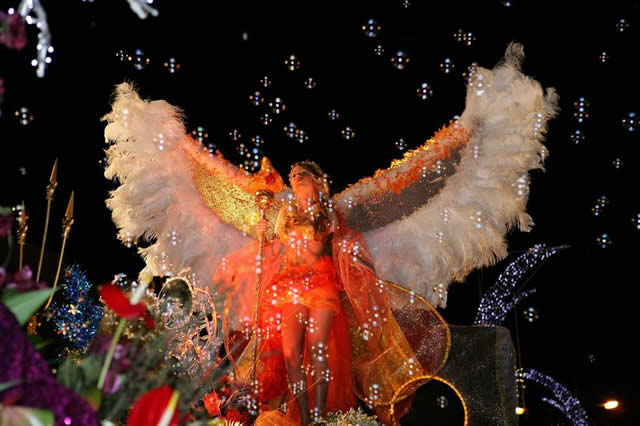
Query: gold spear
(66, 228)
(51, 189)
(22, 233)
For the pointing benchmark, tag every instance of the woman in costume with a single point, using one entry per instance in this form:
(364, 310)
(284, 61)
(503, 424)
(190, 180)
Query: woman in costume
(387, 252)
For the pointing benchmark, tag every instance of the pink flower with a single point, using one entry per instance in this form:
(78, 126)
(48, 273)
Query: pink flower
(12, 31)
(21, 281)
(5, 221)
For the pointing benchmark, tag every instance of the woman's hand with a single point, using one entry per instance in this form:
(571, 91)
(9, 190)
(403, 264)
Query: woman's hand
(261, 227)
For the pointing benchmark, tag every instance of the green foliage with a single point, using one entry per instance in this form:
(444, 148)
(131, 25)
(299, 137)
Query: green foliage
(24, 305)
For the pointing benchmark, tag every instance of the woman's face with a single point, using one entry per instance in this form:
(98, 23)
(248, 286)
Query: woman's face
(301, 181)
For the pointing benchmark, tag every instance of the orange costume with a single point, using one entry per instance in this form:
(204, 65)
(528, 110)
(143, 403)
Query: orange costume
(384, 341)
(434, 215)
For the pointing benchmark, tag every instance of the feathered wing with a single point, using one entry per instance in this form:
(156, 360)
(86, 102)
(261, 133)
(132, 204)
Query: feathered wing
(445, 208)
(191, 206)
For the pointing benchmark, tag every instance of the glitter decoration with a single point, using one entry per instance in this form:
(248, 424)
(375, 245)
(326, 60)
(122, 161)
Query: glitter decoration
(242, 150)
(265, 81)
(200, 134)
(444, 215)
(257, 99)
(171, 65)
(76, 313)
(374, 395)
(581, 113)
(334, 115)
(622, 25)
(442, 401)
(401, 145)
(577, 137)
(400, 60)
(139, 59)
(630, 122)
(292, 63)
(521, 186)
(469, 74)
(604, 241)
(636, 221)
(478, 218)
(301, 136)
(378, 50)
(121, 55)
(348, 133)
(277, 106)
(447, 66)
(371, 28)
(530, 314)
(503, 295)
(538, 125)
(257, 140)
(24, 116)
(290, 130)
(464, 37)
(568, 404)
(173, 238)
(160, 141)
(235, 135)
(603, 57)
(478, 84)
(591, 358)
(265, 119)
(310, 83)
(425, 91)
(617, 163)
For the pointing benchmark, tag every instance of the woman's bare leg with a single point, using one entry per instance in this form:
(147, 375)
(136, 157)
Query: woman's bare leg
(293, 326)
(317, 335)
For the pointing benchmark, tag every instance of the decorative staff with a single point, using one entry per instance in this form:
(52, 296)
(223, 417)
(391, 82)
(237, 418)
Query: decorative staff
(264, 185)
(22, 233)
(51, 189)
(66, 228)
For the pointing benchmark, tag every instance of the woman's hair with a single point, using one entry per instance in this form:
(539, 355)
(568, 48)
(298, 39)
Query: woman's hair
(320, 178)
(322, 183)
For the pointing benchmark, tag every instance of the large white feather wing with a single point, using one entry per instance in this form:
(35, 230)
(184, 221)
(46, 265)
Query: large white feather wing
(160, 196)
(445, 208)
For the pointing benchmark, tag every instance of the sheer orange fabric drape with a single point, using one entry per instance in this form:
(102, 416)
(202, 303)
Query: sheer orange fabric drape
(384, 343)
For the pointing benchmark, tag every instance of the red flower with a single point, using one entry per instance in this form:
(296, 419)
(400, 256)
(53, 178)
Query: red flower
(212, 404)
(116, 300)
(151, 406)
(235, 415)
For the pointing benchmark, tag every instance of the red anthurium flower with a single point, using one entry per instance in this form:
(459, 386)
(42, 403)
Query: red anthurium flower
(155, 406)
(212, 404)
(116, 300)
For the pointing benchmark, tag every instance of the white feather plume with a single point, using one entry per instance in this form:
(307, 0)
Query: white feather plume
(157, 199)
(506, 114)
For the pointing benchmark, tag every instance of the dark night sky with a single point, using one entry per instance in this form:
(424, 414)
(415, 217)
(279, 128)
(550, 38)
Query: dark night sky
(585, 295)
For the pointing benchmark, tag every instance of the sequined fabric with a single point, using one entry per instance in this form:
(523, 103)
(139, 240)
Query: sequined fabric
(481, 368)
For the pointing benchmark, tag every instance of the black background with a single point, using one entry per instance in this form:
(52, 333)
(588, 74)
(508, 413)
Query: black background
(585, 295)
